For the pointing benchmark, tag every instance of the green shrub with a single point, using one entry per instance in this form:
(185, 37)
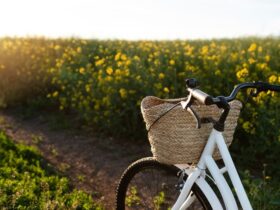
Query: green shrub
(26, 184)
(263, 192)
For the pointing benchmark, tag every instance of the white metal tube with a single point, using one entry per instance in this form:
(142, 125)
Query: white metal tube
(205, 188)
(225, 190)
(188, 201)
(209, 194)
(242, 196)
(186, 189)
(209, 149)
(223, 170)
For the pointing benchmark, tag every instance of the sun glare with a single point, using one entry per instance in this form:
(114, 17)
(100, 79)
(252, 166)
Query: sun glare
(124, 19)
(31, 17)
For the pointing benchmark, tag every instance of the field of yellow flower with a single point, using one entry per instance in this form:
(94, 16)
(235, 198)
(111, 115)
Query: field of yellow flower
(103, 82)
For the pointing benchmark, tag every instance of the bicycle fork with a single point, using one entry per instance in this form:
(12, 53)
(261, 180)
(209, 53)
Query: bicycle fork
(185, 196)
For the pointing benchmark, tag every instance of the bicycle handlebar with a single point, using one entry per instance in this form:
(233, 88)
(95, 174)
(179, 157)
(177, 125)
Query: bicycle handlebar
(259, 86)
(206, 99)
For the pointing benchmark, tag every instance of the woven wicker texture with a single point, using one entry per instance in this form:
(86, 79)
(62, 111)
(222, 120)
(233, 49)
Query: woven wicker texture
(174, 137)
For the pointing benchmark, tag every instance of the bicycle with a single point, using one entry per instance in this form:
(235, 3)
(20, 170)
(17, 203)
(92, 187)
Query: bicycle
(184, 186)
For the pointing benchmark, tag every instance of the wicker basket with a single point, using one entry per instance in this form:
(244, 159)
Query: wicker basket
(173, 135)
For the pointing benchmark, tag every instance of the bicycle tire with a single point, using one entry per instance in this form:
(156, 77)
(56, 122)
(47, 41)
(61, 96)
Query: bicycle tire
(128, 197)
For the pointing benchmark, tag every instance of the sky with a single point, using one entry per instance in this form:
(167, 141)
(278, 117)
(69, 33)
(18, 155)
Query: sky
(140, 19)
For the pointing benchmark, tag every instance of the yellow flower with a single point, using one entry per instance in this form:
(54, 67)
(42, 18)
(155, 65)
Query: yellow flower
(126, 72)
(204, 50)
(100, 62)
(117, 57)
(109, 79)
(123, 93)
(161, 75)
(118, 72)
(213, 44)
(123, 57)
(157, 62)
(106, 101)
(223, 48)
(79, 50)
(56, 47)
(96, 106)
(82, 70)
(218, 72)
(267, 177)
(172, 62)
(52, 70)
(119, 63)
(88, 88)
(267, 58)
(272, 79)
(138, 78)
(109, 70)
(157, 53)
(234, 56)
(242, 73)
(166, 90)
(252, 47)
(262, 66)
(59, 63)
(251, 60)
(128, 62)
(136, 58)
(55, 94)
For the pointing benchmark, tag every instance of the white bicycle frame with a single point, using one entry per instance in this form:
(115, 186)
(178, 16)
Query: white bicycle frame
(197, 175)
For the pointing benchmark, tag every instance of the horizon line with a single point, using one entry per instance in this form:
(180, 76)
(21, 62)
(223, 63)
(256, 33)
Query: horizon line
(272, 36)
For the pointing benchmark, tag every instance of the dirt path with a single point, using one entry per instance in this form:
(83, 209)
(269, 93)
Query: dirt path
(91, 163)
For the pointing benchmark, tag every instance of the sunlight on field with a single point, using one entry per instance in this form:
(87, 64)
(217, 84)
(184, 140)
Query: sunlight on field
(99, 85)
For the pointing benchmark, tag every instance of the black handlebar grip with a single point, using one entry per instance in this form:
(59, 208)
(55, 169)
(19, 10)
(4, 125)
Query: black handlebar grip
(264, 86)
(202, 97)
(274, 88)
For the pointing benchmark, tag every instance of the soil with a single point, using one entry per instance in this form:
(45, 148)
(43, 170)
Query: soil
(92, 164)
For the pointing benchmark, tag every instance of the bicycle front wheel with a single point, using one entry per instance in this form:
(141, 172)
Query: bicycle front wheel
(148, 184)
